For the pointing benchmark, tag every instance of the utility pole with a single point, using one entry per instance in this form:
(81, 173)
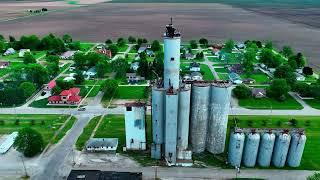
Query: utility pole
(155, 172)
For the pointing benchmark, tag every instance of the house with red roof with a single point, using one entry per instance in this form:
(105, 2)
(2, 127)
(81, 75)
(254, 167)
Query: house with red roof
(70, 97)
(106, 52)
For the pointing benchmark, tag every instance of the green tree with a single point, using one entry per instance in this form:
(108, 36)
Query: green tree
(29, 142)
(101, 69)
(52, 43)
(242, 92)
(93, 58)
(193, 44)
(228, 46)
(110, 87)
(120, 66)
(157, 65)
(114, 49)
(132, 39)
(2, 38)
(144, 69)
(121, 42)
(80, 60)
(67, 38)
(79, 78)
(74, 45)
(108, 41)
(300, 60)
(2, 46)
(53, 68)
(287, 51)
(307, 71)
(203, 42)
(53, 59)
(269, 45)
(12, 39)
(303, 89)
(11, 96)
(252, 46)
(37, 74)
(27, 88)
(156, 46)
(292, 62)
(287, 73)
(278, 89)
(28, 58)
(248, 61)
(29, 42)
(268, 58)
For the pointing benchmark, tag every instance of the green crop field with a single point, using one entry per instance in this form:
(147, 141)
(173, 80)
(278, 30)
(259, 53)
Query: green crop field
(46, 125)
(86, 133)
(269, 103)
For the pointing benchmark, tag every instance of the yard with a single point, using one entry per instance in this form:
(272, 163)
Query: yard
(86, 133)
(131, 92)
(259, 77)
(12, 66)
(223, 76)
(269, 103)
(207, 74)
(315, 103)
(221, 70)
(46, 125)
(85, 46)
(123, 48)
(113, 126)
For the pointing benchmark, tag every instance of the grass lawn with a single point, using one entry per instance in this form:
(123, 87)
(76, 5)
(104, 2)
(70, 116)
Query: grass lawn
(223, 76)
(191, 60)
(131, 57)
(310, 79)
(86, 133)
(267, 103)
(133, 50)
(260, 78)
(92, 82)
(11, 67)
(123, 48)
(207, 72)
(214, 59)
(39, 54)
(64, 67)
(131, 92)
(46, 125)
(221, 70)
(12, 57)
(113, 126)
(315, 103)
(94, 91)
(311, 157)
(65, 129)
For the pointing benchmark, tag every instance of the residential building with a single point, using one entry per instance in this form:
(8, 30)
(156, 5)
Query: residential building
(52, 84)
(196, 76)
(22, 52)
(143, 48)
(9, 51)
(70, 97)
(107, 145)
(90, 72)
(4, 64)
(105, 52)
(248, 81)
(68, 55)
(189, 56)
(150, 53)
(69, 78)
(235, 78)
(135, 65)
(134, 78)
(258, 92)
(194, 67)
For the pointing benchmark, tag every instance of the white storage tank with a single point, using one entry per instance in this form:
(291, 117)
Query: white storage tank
(298, 141)
(266, 149)
(236, 148)
(251, 148)
(281, 148)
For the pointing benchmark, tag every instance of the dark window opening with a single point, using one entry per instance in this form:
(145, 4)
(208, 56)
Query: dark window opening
(129, 108)
(172, 59)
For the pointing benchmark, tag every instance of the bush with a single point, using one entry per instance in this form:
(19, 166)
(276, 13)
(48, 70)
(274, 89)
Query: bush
(242, 92)
(17, 122)
(307, 71)
(278, 89)
(293, 122)
(315, 176)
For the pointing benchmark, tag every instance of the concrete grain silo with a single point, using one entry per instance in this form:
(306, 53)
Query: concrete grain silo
(251, 148)
(183, 118)
(218, 116)
(171, 124)
(236, 148)
(298, 141)
(157, 122)
(281, 148)
(200, 97)
(266, 149)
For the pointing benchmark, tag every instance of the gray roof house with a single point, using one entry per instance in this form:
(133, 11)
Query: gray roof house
(107, 145)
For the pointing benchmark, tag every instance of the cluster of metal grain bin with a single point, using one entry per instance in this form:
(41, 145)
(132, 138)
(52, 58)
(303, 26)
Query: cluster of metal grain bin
(266, 147)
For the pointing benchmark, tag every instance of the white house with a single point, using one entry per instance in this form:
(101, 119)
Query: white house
(107, 145)
(134, 66)
(90, 73)
(196, 76)
(22, 52)
(299, 77)
(194, 67)
(69, 79)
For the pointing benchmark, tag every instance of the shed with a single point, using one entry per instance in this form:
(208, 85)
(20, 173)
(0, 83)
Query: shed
(4, 64)
(258, 92)
(22, 52)
(9, 52)
(235, 78)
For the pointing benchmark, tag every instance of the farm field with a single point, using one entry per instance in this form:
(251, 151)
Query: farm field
(136, 20)
(46, 125)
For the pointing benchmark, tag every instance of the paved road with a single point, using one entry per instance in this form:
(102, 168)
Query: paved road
(57, 156)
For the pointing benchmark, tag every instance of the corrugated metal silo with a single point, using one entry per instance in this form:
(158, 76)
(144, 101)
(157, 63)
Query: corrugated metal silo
(266, 149)
(218, 116)
(200, 97)
(298, 141)
(171, 123)
(157, 121)
(251, 148)
(236, 148)
(183, 119)
(281, 148)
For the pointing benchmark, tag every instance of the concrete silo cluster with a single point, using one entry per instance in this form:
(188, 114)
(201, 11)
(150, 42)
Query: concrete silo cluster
(187, 117)
(266, 147)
